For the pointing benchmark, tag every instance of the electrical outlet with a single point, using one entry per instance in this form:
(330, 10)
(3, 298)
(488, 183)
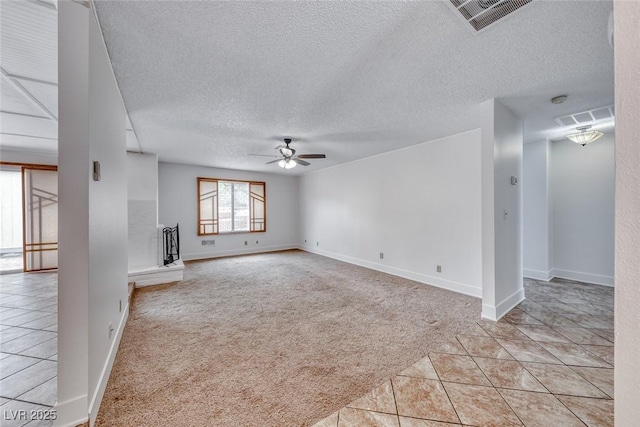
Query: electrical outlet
(439, 268)
(208, 242)
(381, 255)
(110, 330)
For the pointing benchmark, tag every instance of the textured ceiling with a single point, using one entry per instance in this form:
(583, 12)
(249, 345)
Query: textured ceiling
(210, 82)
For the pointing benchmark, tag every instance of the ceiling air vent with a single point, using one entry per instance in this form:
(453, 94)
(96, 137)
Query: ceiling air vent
(482, 13)
(584, 117)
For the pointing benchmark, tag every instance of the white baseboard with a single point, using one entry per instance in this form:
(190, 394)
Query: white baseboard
(538, 274)
(496, 313)
(594, 279)
(578, 276)
(158, 275)
(248, 251)
(67, 412)
(94, 406)
(406, 274)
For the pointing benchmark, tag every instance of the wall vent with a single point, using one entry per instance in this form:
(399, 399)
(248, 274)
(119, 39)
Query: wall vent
(585, 117)
(482, 13)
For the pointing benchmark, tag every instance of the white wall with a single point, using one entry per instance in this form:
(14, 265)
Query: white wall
(177, 187)
(627, 224)
(536, 211)
(142, 207)
(569, 210)
(108, 292)
(502, 286)
(582, 188)
(420, 206)
(92, 275)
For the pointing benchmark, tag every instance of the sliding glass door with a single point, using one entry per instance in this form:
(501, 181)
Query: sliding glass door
(40, 198)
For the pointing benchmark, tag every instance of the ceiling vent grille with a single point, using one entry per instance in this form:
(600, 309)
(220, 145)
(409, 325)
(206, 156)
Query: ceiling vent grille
(482, 13)
(585, 117)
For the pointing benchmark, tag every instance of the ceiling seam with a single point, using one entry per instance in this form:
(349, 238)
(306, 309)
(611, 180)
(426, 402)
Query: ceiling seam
(27, 95)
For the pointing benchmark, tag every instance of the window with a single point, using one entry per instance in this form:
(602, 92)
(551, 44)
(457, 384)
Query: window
(230, 206)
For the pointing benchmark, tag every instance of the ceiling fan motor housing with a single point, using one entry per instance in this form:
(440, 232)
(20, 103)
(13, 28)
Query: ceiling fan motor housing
(287, 151)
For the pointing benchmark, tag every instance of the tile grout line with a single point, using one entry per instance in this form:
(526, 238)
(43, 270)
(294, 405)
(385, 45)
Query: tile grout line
(26, 401)
(509, 406)
(32, 388)
(444, 388)
(591, 382)
(395, 401)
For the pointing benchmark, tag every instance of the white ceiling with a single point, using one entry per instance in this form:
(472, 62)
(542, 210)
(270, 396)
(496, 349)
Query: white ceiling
(29, 76)
(210, 82)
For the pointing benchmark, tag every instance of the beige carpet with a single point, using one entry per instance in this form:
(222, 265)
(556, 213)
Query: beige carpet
(279, 339)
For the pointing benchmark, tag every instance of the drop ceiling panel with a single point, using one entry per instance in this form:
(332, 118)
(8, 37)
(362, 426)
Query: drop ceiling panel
(13, 101)
(29, 39)
(52, 4)
(28, 126)
(46, 94)
(28, 143)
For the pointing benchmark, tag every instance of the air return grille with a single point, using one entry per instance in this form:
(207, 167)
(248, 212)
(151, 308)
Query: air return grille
(482, 13)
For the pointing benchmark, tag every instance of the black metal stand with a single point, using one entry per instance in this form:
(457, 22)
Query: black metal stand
(171, 237)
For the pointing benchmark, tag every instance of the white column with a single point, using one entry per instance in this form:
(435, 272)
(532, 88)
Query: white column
(501, 210)
(142, 202)
(537, 227)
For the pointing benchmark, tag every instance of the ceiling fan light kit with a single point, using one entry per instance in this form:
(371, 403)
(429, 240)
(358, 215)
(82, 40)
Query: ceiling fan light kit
(287, 163)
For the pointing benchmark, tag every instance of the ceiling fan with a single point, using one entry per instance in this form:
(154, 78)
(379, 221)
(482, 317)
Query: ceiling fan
(288, 159)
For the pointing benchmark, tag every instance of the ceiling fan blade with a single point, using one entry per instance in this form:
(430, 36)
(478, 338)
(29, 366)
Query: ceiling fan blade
(272, 161)
(312, 156)
(263, 155)
(302, 162)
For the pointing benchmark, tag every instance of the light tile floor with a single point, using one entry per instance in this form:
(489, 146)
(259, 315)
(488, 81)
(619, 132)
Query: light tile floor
(28, 347)
(11, 262)
(549, 362)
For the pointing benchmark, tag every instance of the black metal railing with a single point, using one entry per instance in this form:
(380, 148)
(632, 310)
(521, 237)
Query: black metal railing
(171, 238)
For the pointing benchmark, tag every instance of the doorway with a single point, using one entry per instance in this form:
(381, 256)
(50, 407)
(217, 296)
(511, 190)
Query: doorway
(29, 214)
